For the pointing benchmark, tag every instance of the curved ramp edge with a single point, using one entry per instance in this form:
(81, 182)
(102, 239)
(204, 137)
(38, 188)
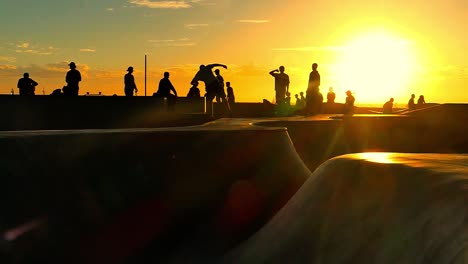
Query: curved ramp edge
(370, 208)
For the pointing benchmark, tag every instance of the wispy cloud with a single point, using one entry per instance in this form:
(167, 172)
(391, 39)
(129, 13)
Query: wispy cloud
(163, 4)
(28, 48)
(195, 26)
(8, 59)
(110, 9)
(182, 42)
(253, 21)
(88, 50)
(324, 48)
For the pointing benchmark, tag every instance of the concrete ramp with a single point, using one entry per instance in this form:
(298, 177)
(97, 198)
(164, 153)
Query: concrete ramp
(371, 208)
(138, 195)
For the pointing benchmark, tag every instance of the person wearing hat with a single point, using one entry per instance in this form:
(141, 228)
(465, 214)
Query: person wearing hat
(73, 78)
(349, 104)
(129, 82)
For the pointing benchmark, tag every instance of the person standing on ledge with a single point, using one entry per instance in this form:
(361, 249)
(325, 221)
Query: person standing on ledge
(349, 104)
(212, 86)
(281, 84)
(312, 94)
(230, 93)
(73, 78)
(26, 85)
(129, 82)
(411, 104)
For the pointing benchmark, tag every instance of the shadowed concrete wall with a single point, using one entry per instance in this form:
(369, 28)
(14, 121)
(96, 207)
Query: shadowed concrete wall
(58, 112)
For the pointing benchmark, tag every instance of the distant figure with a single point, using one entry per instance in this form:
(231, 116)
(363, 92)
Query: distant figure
(331, 96)
(281, 84)
(57, 92)
(26, 85)
(411, 104)
(230, 93)
(194, 91)
(421, 101)
(299, 102)
(164, 90)
(349, 103)
(222, 94)
(312, 94)
(287, 100)
(129, 82)
(73, 78)
(388, 107)
(303, 98)
(212, 85)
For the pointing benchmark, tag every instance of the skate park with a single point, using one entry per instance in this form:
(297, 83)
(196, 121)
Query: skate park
(181, 188)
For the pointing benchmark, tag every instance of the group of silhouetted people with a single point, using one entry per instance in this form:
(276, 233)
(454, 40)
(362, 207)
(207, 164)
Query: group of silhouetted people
(312, 102)
(388, 106)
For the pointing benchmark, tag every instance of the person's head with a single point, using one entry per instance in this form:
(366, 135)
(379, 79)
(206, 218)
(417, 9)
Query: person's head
(130, 69)
(217, 71)
(348, 93)
(296, 95)
(26, 75)
(391, 100)
(228, 84)
(421, 96)
(202, 67)
(281, 69)
(166, 75)
(413, 96)
(72, 65)
(301, 93)
(314, 66)
(194, 83)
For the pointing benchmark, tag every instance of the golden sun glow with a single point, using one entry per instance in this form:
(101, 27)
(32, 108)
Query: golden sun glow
(376, 66)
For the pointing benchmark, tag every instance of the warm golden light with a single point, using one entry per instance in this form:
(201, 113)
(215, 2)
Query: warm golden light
(376, 66)
(378, 157)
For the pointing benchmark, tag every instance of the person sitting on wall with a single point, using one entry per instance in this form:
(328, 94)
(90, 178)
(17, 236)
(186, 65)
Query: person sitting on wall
(194, 90)
(26, 85)
(349, 103)
(388, 107)
(164, 90)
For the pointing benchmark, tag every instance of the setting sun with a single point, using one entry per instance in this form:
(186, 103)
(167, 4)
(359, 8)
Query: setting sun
(376, 66)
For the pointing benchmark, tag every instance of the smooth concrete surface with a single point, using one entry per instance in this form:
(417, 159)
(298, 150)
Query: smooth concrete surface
(371, 208)
(129, 195)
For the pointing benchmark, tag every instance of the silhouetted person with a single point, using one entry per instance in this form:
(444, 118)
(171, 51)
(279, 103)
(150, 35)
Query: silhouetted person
(421, 101)
(312, 94)
(302, 97)
(164, 90)
(287, 100)
(388, 107)
(331, 96)
(194, 91)
(299, 102)
(129, 82)
(281, 84)
(26, 85)
(411, 104)
(230, 93)
(221, 95)
(57, 92)
(212, 86)
(349, 103)
(73, 78)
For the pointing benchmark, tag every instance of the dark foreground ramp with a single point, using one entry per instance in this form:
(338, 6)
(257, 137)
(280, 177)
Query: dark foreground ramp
(140, 195)
(371, 208)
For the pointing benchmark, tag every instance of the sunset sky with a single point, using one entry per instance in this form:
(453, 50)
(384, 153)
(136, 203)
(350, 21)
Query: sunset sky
(377, 49)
